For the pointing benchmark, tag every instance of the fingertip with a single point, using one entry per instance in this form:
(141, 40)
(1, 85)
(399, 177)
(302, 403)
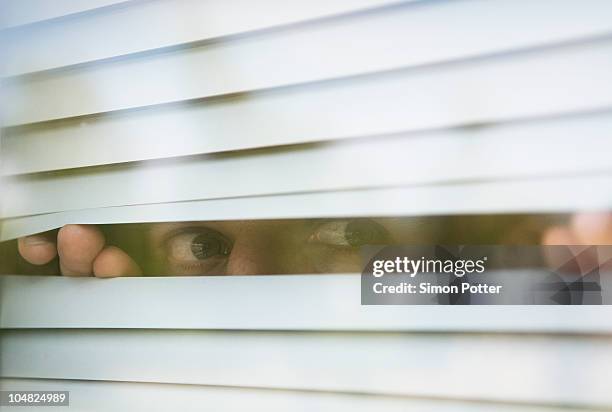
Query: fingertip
(78, 246)
(558, 235)
(37, 249)
(114, 262)
(592, 228)
(85, 235)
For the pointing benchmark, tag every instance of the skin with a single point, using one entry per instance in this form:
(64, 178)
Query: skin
(257, 247)
(83, 249)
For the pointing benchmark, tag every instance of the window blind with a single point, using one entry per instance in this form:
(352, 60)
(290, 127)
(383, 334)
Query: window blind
(241, 334)
(201, 357)
(353, 98)
(18, 13)
(159, 110)
(254, 302)
(562, 195)
(109, 32)
(160, 397)
(399, 37)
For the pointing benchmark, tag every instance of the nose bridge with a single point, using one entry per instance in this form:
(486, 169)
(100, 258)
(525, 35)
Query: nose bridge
(253, 253)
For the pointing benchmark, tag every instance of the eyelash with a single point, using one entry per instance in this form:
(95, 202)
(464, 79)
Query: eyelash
(191, 230)
(192, 266)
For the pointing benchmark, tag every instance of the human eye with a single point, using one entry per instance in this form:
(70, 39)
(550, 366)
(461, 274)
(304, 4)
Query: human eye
(196, 251)
(349, 233)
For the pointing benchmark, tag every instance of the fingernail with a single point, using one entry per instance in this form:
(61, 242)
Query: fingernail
(35, 240)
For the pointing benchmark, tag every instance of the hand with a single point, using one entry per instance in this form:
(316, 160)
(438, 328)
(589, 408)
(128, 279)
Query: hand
(82, 251)
(583, 229)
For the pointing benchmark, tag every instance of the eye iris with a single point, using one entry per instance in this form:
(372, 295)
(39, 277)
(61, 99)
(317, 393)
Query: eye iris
(366, 232)
(206, 245)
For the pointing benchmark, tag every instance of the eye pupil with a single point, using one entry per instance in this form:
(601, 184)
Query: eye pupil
(207, 245)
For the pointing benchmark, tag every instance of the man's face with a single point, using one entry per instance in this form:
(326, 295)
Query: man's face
(273, 247)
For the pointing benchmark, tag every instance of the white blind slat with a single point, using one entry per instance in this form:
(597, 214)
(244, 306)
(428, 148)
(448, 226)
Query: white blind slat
(146, 25)
(490, 153)
(94, 396)
(522, 85)
(345, 362)
(543, 195)
(253, 302)
(16, 13)
(388, 39)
